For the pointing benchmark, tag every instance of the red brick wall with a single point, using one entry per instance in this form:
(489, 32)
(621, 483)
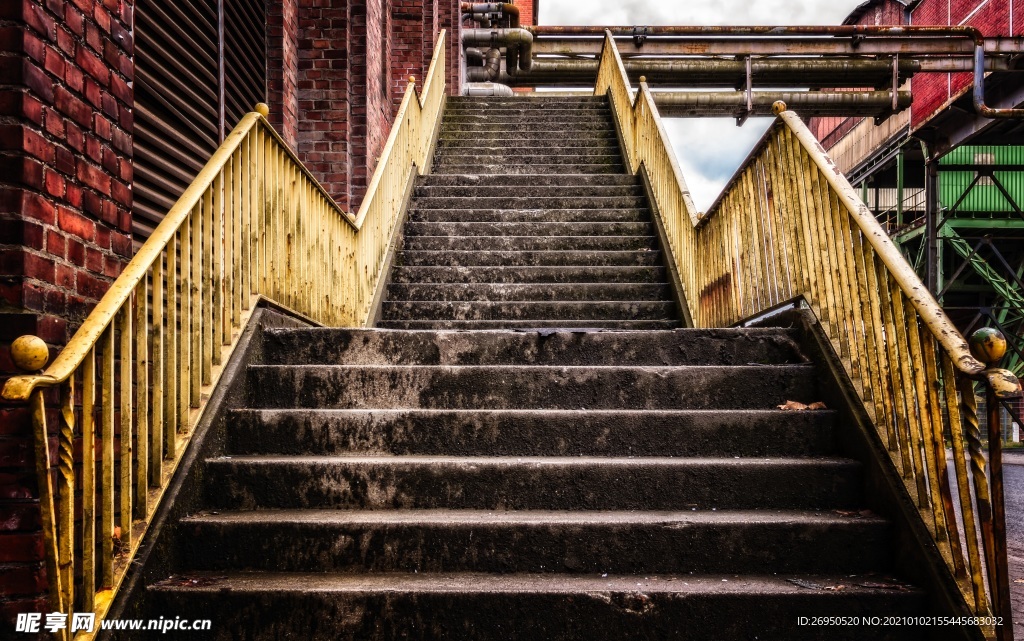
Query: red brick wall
(282, 67)
(526, 13)
(65, 222)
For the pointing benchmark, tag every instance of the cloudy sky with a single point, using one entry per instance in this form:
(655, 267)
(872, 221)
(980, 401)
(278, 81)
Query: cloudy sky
(709, 149)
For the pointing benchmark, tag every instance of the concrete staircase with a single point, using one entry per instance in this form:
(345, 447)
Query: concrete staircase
(533, 483)
(529, 219)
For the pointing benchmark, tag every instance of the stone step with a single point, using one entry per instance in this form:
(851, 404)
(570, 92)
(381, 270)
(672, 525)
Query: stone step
(532, 432)
(528, 258)
(511, 227)
(490, 607)
(582, 325)
(531, 541)
(530, 243)
(587, 141)
(521, 112)
(354, 482)
(525, 180)
(529, 169)
(526, 102)
(530, 291)
(537, 158)
(532, 125)
(530, 387)
(722, 347)
(527, 137)
(529, 202)
(515, 151)
(528, 274)
(527, 310)
(532, 216)
(513, 121)
(535, 191)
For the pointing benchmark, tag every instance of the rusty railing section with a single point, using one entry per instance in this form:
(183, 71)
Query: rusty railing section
(789, 225)
(254, 223)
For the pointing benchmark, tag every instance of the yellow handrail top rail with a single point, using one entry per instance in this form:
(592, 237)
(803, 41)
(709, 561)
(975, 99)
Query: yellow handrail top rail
(19, 388)
(916, 291)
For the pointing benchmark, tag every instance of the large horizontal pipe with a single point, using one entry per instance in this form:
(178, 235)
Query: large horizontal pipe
(705, 72)
(683, 104)
(518, 44)
(846, 31)
(788, 45)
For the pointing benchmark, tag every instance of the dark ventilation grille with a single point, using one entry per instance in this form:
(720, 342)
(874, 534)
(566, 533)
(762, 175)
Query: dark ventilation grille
(245, 58)
(177, 92)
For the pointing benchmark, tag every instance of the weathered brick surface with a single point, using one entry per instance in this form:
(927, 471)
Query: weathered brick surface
(66, 70)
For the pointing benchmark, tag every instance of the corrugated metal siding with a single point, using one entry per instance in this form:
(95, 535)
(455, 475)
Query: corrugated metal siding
(177, 92)
(984, 197)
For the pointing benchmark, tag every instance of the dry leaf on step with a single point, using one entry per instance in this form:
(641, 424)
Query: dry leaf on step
(798, 406)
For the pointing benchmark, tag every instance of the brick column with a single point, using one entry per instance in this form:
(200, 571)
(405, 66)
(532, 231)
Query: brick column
(65, 218)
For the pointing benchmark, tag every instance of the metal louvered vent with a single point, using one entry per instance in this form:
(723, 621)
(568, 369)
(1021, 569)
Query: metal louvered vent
(183, 108)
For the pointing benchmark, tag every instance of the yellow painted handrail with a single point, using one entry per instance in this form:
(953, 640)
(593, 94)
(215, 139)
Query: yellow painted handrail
(789, 225)
(253, 224)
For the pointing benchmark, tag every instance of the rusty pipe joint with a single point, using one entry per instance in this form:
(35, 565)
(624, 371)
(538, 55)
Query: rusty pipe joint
(979, 90)
(489, 70)
(518, 45)
(487, 10)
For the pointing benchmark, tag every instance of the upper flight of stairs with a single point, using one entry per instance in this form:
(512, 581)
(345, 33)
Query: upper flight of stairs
(536, 482)
(529, 219)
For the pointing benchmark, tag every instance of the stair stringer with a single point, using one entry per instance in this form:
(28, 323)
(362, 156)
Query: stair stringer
(160, 552)
(917, 558)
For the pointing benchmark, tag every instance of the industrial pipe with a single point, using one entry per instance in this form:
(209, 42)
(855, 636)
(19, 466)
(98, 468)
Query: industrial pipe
(487, 89)
(518, 44)
(690, 72)
(486, 8)
(979, 90)
(676, 104)
(489, 71)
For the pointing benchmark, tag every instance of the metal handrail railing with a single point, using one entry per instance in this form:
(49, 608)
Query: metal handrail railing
(790, 225)
(254, 223)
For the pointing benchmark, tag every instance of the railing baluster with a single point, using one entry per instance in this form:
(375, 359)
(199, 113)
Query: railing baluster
(125, 366)
(142, 352)
(962, 482)
(936, 444)
(156, 378)
(195, 294)
(107, 459)
(89, 482)
(170, 357)
(66, 507)
(184, 371)
(206, 328)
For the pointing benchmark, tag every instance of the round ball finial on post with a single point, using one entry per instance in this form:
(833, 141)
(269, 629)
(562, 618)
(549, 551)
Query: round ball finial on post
(263, 109)
(412, 79)
(29, 353)
(778, 107)
(643, 79)
(988, 345)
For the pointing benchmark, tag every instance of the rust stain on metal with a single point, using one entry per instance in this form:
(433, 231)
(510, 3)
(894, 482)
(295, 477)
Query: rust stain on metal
(721, 287)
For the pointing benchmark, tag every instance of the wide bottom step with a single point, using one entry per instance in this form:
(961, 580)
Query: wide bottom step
(317, 606)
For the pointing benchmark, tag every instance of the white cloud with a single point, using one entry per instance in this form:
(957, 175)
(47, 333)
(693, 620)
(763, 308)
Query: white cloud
(709, 149)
